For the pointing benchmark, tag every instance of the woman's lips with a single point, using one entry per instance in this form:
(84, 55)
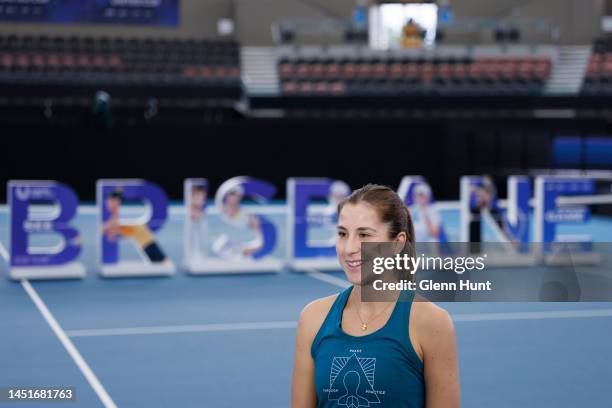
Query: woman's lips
(354, 264)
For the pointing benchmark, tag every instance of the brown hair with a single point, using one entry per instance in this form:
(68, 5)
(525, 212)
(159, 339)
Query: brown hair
(390, 209)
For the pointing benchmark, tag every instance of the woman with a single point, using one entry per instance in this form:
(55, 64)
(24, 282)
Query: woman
(231, 248)
(373, 354)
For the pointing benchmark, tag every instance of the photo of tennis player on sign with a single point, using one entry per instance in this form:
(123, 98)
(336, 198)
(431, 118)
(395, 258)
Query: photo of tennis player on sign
(196, 223)
(140, 234)
(323, 219)
(425, 215)
(242, 236)
(484, 205)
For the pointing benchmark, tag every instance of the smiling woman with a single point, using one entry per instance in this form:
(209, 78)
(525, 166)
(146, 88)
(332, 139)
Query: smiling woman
(393, 354)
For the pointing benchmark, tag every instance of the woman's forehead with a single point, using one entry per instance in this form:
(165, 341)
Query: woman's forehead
(358, 215)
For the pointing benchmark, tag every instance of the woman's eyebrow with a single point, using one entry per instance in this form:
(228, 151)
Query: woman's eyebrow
(360, 229)
(366, 229)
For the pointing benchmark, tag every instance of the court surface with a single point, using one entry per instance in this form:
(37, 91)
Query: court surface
(227, 341)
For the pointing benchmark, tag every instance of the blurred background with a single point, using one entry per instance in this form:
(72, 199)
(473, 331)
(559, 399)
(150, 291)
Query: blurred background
(263, 88)
(353, 90)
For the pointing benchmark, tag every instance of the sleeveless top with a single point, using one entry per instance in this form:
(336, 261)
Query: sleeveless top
(378, 370)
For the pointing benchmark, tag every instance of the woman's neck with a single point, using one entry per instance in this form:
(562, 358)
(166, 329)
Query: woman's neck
(231, 212)
(366, 309)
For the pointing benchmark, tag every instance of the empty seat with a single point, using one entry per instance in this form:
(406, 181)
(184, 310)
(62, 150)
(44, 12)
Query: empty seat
(91, 59)
(372, 75)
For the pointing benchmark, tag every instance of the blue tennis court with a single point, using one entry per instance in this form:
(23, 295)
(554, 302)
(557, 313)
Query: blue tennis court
(227, 341)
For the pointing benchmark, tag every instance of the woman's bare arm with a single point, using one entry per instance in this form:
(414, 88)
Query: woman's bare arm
(437, 341)
(303, 393)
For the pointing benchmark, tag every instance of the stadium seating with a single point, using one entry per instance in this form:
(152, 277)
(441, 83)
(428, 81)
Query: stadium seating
(598, 78)
(397, 75)
(92, 61)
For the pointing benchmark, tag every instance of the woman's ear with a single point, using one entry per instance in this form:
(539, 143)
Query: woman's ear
(401, 237)
(400, 240)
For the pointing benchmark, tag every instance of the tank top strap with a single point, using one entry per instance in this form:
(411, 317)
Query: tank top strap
(333, 319)
(335, 313)
(398, 325)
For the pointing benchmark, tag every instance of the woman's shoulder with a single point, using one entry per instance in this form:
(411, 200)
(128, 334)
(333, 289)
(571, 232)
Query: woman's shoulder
(430, 321)
(313, 315)
(428, 315)
(318, 308)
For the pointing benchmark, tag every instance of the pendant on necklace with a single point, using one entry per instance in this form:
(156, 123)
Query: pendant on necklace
(364, 326)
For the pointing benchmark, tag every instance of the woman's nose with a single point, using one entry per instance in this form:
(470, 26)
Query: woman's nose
(353, 244)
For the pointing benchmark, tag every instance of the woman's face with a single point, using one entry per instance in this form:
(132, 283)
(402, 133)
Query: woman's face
(421, 198)
(232, 200)
(113, 205)
(357, 223)
(198, 198)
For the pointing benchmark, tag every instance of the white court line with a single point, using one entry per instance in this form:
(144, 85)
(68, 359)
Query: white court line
(313, 273)
(222, 327)
(550, 314)
(191, 328)
(69, 346)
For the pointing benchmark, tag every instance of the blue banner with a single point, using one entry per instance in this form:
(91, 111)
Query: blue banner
(130, 12)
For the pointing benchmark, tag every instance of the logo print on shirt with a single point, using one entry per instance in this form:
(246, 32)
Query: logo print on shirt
(351, 382)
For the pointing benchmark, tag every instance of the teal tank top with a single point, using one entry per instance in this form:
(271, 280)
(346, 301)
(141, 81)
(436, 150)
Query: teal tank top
(378, 370)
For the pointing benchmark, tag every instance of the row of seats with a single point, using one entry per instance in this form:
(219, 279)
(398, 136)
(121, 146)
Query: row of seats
(333, 76)
(119, 45)
(525, 68)
(46, 57)
(41, 64)
(407, 87)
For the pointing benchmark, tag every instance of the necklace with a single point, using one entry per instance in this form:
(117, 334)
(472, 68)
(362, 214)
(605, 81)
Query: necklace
(364, 325)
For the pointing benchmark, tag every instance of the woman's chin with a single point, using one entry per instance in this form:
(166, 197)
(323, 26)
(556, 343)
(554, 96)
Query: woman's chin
(353, 277)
